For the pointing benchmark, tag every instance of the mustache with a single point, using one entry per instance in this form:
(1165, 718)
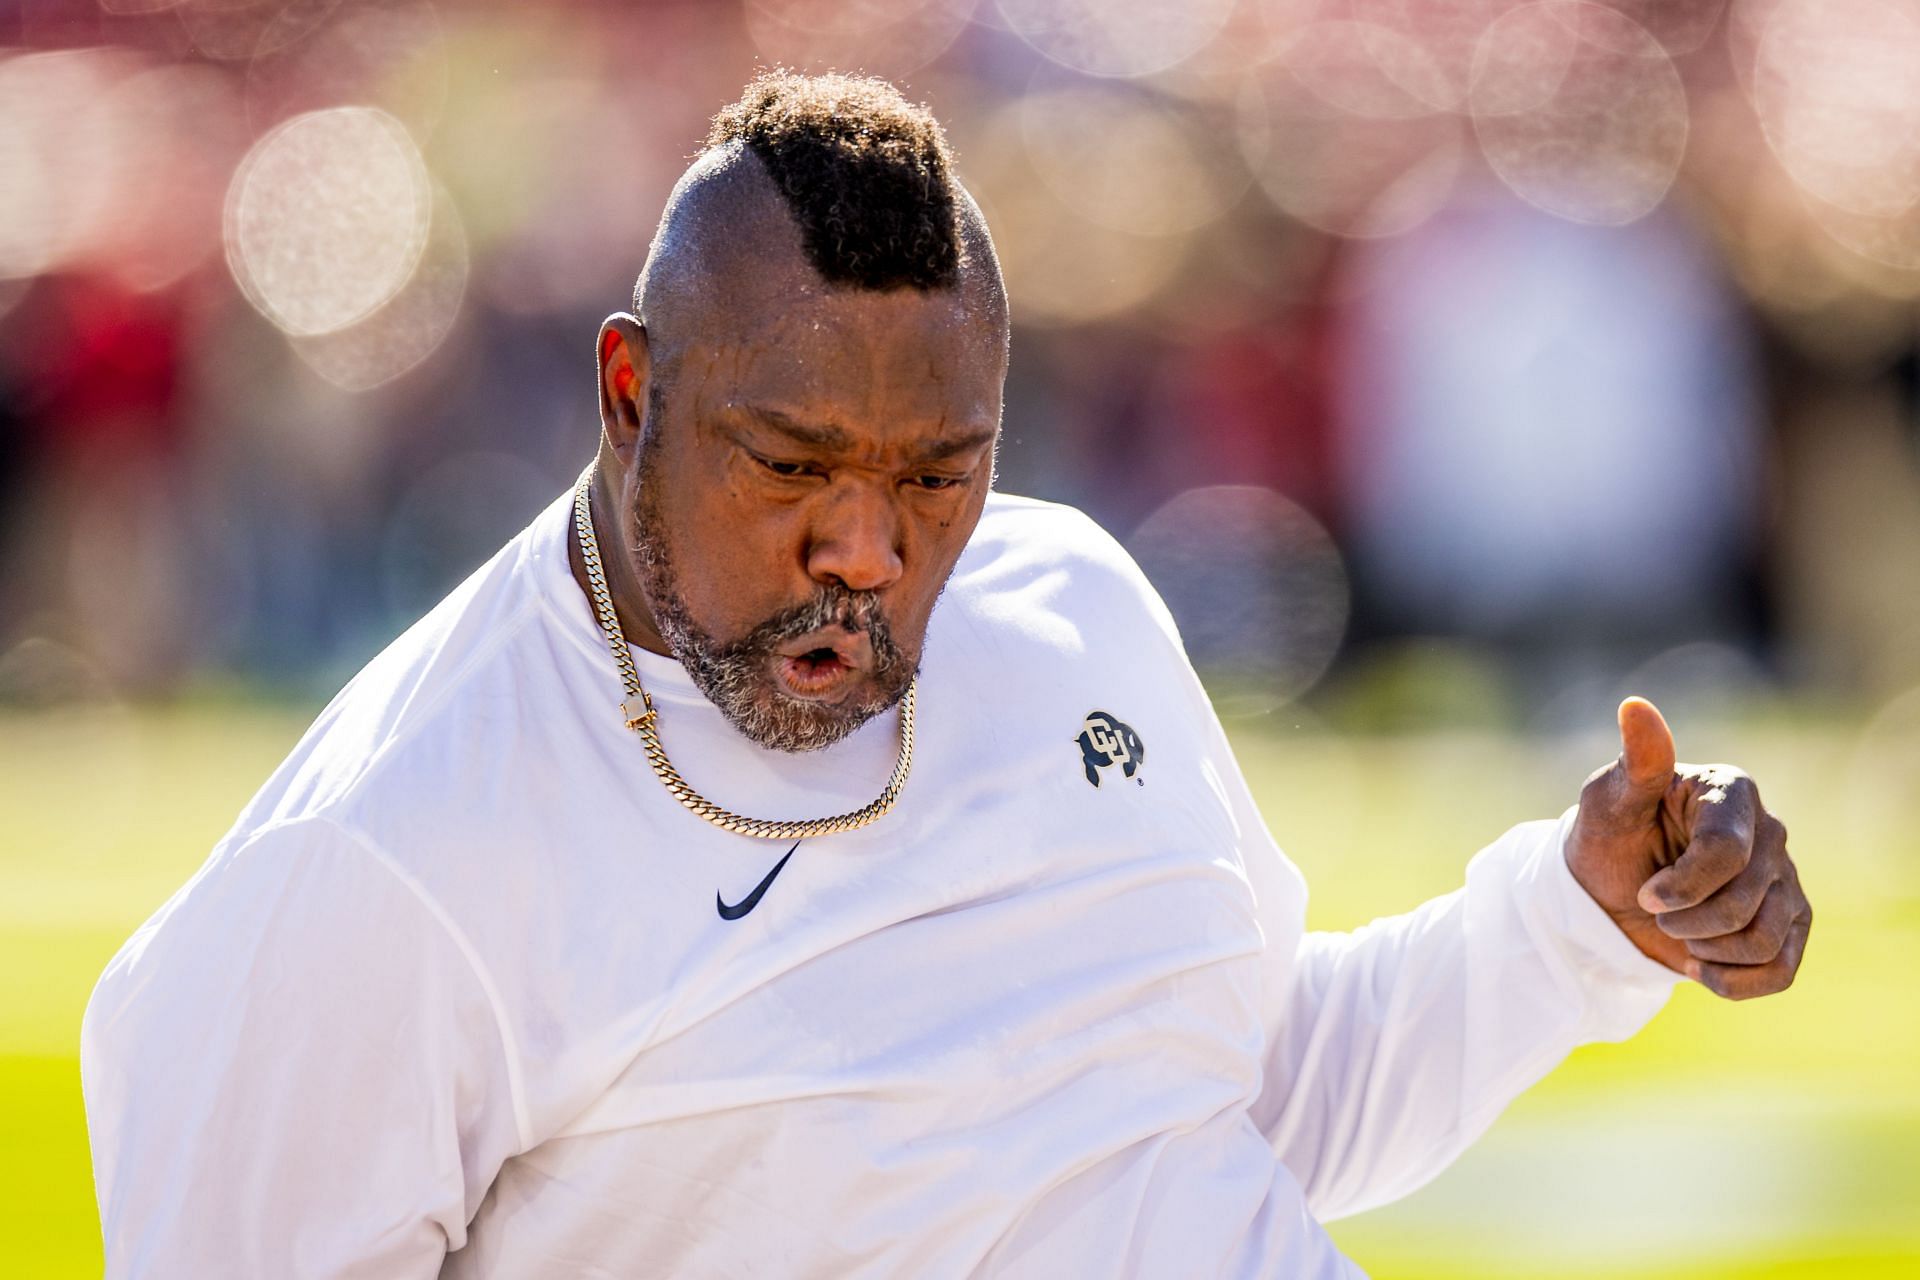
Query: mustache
(854, 611)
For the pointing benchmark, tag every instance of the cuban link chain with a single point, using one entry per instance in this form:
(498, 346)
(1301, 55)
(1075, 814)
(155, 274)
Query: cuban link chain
(638, 712)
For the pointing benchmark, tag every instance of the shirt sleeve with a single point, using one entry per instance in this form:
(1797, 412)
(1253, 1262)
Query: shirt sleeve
(294, 1069)
(1392, 1047)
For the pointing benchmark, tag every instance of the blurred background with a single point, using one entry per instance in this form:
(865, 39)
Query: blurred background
(1453, 367)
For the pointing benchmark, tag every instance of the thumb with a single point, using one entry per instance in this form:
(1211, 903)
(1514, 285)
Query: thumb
(1646, 751)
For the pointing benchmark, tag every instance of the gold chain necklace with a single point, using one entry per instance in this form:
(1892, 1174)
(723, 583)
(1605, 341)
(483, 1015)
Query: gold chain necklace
(639, 715)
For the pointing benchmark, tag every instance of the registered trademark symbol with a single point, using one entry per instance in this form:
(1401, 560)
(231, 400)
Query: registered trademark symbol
(1139, 782)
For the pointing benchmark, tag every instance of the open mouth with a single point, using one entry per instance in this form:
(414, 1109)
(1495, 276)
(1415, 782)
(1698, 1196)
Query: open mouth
(821, 664)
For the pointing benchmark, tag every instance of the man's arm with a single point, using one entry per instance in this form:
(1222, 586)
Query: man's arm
(294, 1068)
(1393, 1047)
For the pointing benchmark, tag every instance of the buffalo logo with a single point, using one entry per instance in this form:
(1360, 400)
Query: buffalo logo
(1106, 741)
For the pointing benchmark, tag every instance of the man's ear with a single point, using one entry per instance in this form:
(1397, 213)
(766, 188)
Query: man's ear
(625, 369)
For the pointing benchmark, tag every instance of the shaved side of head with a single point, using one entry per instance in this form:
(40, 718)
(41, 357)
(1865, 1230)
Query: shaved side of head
(807, 184)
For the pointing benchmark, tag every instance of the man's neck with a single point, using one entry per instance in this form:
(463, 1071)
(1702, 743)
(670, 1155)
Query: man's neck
(636, 621)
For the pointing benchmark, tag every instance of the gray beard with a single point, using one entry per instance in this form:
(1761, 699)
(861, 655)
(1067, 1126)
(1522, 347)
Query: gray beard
(737, 675)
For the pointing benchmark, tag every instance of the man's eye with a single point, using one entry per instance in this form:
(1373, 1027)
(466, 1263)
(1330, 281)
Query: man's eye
(783, 468)
(936, 482)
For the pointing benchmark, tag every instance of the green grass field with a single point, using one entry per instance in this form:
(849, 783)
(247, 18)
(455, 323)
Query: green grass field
(1773, 1138)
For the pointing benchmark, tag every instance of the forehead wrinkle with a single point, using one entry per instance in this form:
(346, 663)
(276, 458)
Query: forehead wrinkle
(832, 436)
(825, 435)
(829, 364)
(953, 447)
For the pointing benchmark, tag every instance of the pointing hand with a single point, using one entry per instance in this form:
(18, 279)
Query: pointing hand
(1689, 865)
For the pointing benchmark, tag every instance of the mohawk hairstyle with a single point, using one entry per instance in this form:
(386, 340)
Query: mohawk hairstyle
(866, 174)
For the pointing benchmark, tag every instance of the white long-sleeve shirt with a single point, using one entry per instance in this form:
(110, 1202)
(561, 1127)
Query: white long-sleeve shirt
(456, 994)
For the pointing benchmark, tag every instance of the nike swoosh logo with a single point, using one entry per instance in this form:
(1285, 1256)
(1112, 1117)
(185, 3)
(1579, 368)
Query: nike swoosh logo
(752, 900)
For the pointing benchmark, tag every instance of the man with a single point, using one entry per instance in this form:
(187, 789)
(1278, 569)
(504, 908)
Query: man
(687, 895)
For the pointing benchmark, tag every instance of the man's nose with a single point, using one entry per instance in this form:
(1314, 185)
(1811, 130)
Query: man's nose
(856, 541)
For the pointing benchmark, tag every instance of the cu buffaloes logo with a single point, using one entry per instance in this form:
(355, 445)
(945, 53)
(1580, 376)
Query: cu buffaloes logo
(1105, 742)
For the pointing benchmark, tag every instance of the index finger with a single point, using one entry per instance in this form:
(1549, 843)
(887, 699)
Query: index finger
(1725, 814)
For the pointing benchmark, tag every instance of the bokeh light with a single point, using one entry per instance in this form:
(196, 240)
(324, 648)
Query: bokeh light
(1061, 268)
(1579, 111)
(393, 57)
(1746, 25)
(1892, 241)
(1366, 69)
(112, 163)
(1783, 259)
(1427, 45)
(1126, 160)
(1681, 26)
(1837, 90)
(1255, 585)
(1702, 682)
(184, 133)
(1253, 32)
(29, 205)
(1344, 174)
(62, 151)
(1116, 37)
(408, 327)
(891, 38)
(571, 204)
(237, 30)
(327, 218)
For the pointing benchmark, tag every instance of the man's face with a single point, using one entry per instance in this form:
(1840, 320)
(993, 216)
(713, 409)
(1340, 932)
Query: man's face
(809, 473)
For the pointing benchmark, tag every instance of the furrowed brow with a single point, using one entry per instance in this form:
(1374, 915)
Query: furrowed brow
(813, 435)
(943, 450)
(826, 436)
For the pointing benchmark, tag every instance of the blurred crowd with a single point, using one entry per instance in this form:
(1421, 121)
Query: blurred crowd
(1466, 349)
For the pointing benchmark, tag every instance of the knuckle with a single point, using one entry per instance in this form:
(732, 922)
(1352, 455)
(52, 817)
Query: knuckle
(1682, 896)
(1720, 915)
(1773, 831)
(1715, 950)
(1752, 947)
(1722, 848)
(1769, 979)
(1733, 912)
(1716, 921)
(1684, 924)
